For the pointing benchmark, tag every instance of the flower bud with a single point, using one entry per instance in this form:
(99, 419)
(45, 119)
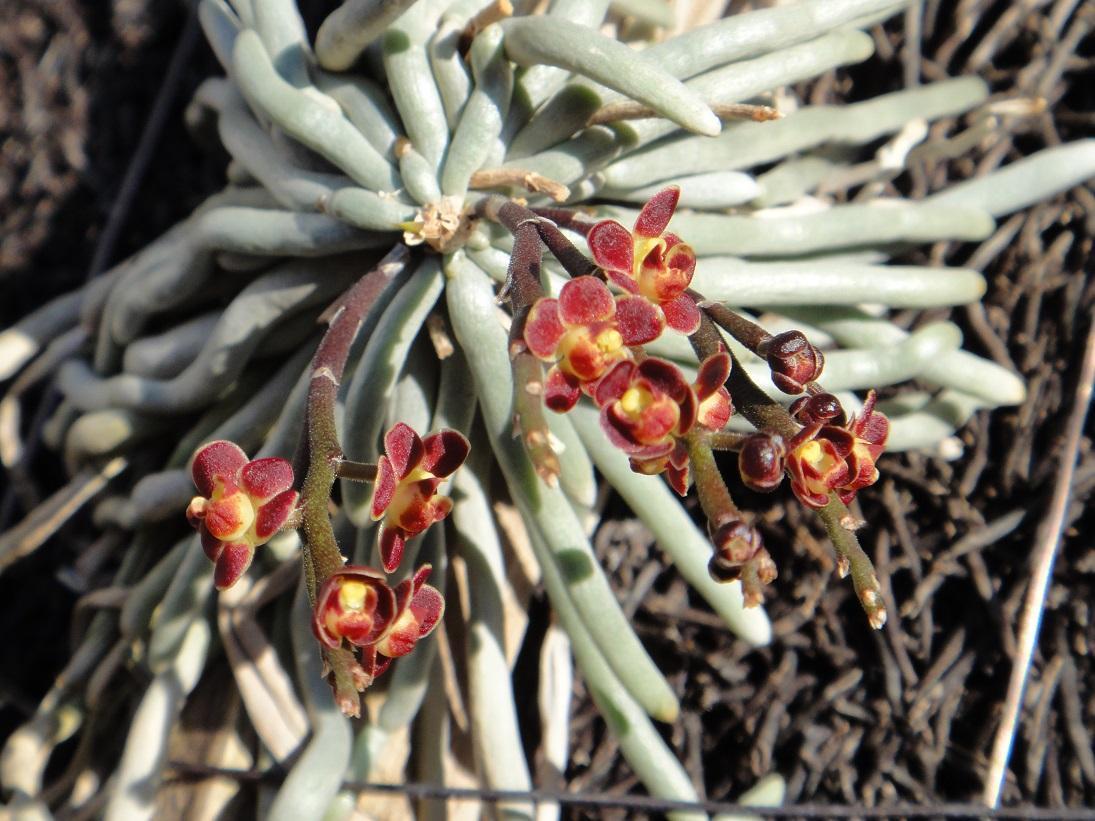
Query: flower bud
(823, 408)
(760, 462)
(793, 360)
(735, 544)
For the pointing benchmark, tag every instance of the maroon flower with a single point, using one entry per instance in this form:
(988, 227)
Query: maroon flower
(645, 407)
(357, 605)
(649, 262)
(242, 505)
(825, 458)
(408, 476)
(760, 461)
(583, 333)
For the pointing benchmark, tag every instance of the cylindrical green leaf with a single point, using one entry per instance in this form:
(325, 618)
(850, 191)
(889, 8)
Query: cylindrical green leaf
(307, 120)
(536, 40)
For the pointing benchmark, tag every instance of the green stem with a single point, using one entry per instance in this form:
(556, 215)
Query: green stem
(726, 440)
(713, 494)
(356, 471)
(321, 554)
(850, 556)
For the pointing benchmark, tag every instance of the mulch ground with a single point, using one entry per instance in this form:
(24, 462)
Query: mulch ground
(847, 715)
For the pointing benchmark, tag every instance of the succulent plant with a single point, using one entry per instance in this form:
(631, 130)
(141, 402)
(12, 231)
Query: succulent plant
(384, 181)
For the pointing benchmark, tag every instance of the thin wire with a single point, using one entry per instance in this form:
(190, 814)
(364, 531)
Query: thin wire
(187, 771)
(1045, 551)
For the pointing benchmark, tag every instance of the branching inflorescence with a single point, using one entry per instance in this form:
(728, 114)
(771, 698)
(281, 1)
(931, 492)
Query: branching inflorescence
(435, 150)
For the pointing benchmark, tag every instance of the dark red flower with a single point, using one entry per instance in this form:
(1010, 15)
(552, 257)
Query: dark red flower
(760, 461)
(644, 407)
(242, 505)
(650, 262)
(584, 333)
(357, 605)
(408, 476)
(825, 458)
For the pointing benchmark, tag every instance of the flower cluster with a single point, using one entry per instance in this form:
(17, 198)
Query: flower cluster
(590, 338)
(358, 606)
(592, 341)
(242, 504)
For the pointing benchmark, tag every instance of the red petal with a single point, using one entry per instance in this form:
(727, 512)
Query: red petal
(232, 563)
(638, 320)
(421, 576)
(689, 412)
(612, 385)
(585, 300)
(809, 498)
(544, 328)
(657, 213)
(714, 371)
(210, 543)
(392, 542)
(680, 260)
(611, 245)
(446, 450)
(217, 460)
(679, 478)
(384, 489)
(561, 392)
(428, 606)
(875, 429)
(266, 478)
(682, 314)
(404, 448)
(624, 280)
(618, 430)
(272, 515)
(665, 377)
(715, 411)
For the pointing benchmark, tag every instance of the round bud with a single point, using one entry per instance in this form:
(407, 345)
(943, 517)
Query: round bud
(760, 462)
(793, 360)
(821, 408)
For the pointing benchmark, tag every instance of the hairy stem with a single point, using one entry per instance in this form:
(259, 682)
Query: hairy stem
(835, 517)
(748, 333)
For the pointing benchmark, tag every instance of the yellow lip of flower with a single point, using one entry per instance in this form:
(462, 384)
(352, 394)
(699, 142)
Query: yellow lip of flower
(609, 340)
(643, 246)
(352, 594)
(634, 401)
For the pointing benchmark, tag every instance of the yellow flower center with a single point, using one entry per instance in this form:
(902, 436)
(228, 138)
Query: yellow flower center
(352, 594)
(643, 247)
(609, 341)
(635, 400)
